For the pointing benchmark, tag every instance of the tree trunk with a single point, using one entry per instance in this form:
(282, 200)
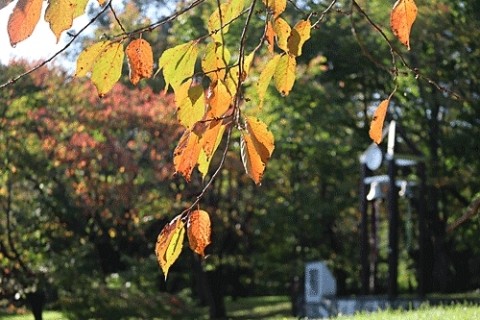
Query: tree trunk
(36, 300)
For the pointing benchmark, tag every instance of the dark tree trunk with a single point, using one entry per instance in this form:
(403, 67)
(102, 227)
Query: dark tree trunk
(36, 301)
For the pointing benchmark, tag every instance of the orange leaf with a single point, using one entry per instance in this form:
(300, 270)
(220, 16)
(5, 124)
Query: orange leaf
(169, 244)
(256, 146)
(218, 98)
(23, 20)
(199, 231)
(185, 156)
(402, 18)
(376, 127)
(270, 36)
(140, 60)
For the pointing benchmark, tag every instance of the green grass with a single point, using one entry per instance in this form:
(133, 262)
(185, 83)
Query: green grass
(453, 312)
(278, 307)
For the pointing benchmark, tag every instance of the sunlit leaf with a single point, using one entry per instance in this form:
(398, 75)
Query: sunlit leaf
(140, 60)
(216, 23)
(266, 77)
(219, 98)
(88, 57)
(284, 75)
(376, 127)
(190, 101)
(23, 20)
(108, 68)
(169, 244)
(233, 73)
(60, 14)
(276, 6)
(403, 16)
(215, 62)
(282, 31)
(199, 231)
(178, 63)
(210, 141)
(298, 36)
(256, 146)
(185, 156)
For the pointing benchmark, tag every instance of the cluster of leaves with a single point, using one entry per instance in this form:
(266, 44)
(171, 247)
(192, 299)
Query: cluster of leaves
(209, 101)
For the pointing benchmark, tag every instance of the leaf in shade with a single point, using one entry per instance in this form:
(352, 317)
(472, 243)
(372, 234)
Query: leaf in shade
(199, 231)
(284, 75)
(299, 35)
(376, 127)
(170, 243)
(23, 20)
(256, 147)
(270, 36)
(140, 60)
(402, 17)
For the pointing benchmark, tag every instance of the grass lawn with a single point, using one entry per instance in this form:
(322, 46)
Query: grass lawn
(278, 307)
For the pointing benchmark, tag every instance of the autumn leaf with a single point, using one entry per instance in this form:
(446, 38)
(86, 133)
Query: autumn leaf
(140, 60)
(216, 23)
(190, 101)
(210, 141)
(231, 80)
(284, 75)
(270, 36)
(376, 127)
(402, 17)
(185, 156)
(178, 63)
(256, 146)
(199, 231)
(108, 68)
(298, 36)
(282, 31)
(88, 57)
(276, 6)
(23, 20)
(265, 77)
(60, 14)
(170, 243)
(214, 63)
(219, 99)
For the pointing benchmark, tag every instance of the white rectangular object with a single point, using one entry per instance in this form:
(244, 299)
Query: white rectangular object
(319, 282)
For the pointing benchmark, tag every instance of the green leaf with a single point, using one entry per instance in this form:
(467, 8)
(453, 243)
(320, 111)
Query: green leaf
(178, 64)
(108, 68)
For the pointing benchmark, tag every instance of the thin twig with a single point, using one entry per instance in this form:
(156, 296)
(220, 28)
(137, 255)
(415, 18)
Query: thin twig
(69, 43)
(116, 17)
(324, 13)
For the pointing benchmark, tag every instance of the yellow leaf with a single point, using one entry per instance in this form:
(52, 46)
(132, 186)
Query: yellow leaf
(169, 244)
(140, 60)
(235, 8)
(178, 63)
(282, 30)
(256, 146)
(108, 68)
(376, 127)
(276, 6)
(23, 20)
(284, 75)
(199, 231)
(233, 73)
(215, 62)
(80, 8)
(185, 156)
(190, 101)
(266, 77)
(60, 14)
(299, 35)
(403, 16)
(216, 24)
(210, 141)
(88, 57)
